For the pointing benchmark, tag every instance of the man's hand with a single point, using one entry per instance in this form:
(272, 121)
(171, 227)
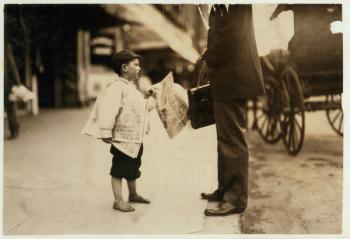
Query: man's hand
(107, 140)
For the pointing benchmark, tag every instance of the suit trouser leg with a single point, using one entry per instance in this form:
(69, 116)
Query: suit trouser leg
(233, 153)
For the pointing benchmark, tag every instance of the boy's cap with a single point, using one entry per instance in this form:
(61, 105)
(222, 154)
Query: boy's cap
(125, 55)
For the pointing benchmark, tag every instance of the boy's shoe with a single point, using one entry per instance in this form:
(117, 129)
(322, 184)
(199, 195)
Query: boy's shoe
(123, 206)
(138, 199)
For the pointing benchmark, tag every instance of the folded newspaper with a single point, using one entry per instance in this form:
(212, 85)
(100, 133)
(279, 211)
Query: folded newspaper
(171, 105)
(92, 126)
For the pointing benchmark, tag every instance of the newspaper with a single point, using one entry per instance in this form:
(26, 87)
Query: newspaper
(128, 148)
(130, 122)
(92, 126)
(171, 105)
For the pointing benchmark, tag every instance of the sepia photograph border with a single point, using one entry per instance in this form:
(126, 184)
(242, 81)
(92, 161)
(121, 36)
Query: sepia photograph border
(345, 105)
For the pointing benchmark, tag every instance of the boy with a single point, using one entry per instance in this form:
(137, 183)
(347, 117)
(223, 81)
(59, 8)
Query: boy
(122, 113)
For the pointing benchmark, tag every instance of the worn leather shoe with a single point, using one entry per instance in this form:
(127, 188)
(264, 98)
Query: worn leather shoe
(212, 197)
(223, 209)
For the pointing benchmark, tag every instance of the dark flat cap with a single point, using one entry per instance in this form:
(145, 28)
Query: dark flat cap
(125, 55)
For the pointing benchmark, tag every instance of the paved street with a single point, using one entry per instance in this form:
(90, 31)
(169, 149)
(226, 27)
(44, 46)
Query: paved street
(299, 195)
(56, 181)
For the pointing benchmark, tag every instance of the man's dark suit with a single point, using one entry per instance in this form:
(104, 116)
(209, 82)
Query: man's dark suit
(235, 75)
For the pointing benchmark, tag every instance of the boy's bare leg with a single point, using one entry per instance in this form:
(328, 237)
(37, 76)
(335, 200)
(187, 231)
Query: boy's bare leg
(119, 203)
(133, 196)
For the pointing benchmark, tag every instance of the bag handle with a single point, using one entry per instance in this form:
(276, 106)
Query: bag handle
(201, 75)
(206, 26)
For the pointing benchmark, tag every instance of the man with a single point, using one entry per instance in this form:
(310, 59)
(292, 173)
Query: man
(235, 74)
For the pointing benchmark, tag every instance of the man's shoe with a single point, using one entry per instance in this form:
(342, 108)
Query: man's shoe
(223, 209)
(138, 199)
(212, 197)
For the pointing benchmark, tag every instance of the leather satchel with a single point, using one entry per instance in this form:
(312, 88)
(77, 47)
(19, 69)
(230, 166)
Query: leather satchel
(201, 112)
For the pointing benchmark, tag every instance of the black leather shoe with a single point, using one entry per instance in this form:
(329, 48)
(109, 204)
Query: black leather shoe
(212, 197)
(223, 209)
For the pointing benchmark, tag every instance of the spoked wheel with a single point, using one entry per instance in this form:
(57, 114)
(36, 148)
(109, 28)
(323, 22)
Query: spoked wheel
(293, 117)
(268, 112)
(335, 113)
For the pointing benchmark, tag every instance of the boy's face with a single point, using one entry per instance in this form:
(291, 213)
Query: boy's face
(132, 70)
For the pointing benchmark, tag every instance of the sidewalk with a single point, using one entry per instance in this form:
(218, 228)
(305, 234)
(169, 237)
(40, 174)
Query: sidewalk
(56, 181)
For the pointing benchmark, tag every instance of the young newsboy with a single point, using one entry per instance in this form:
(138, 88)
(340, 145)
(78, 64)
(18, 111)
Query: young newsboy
(122, 113)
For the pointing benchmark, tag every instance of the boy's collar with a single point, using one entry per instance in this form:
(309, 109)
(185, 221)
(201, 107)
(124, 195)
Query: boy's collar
(123, 80)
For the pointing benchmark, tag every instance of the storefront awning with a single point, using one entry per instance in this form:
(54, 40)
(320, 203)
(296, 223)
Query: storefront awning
(147, 15)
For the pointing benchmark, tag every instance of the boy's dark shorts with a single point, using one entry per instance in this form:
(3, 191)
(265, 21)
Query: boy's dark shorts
(123, 166)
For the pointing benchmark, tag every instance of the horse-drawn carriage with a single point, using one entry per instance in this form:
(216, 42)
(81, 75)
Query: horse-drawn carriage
(312, 68)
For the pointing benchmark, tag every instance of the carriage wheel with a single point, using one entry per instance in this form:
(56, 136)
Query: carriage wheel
(268, 113)
(293, 117)
(335, 115)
